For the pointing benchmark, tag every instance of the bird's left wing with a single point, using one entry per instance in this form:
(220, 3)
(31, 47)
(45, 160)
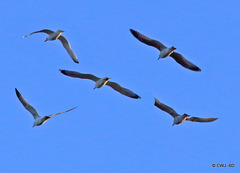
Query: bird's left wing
(67, 46)
(47, 31)
(61, 112)
(147, 40)
(27, 106)
(79, 75)
(165, 108)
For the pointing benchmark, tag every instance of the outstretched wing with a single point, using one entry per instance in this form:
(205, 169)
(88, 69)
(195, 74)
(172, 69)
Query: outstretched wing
(202, 120)
(122, 90)
(185, 63)
(47, 31)
(67, 46)
(165, 108)
(27, 105)
(61, 112)
(148, 40)
(79, 75)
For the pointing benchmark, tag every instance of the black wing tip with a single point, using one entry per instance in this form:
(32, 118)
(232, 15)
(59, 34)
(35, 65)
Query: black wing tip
(135, 33)
(63, 71)
(17, 92)
(155, 101)
(131, 30)
(73, 108)
(137, 97)
(196, 69)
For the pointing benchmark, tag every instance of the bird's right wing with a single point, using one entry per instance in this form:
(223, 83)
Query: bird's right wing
(47, 31)
(202, 120)
(148, 40)
(79, 75)
(27, 105)
(122, 90)
(61, 112)
(165, 108)
(67, 46)
(185, 63)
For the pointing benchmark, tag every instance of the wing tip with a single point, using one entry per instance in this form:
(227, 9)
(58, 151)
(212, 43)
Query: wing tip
(155, 101)
(63, 71)
(131, 30)
(197, 69)
(134, 33)
(137, 97)
(17, 92)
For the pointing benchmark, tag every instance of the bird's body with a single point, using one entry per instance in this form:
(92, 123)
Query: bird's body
(57, 35)
(38, 120)
(100, 82)
(178, 119)
(165, 52)
(54, 35)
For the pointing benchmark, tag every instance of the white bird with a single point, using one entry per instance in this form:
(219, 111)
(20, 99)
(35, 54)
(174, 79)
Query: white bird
(57, 35)
(180, 118)
(38, 119)
(100, 82)
(165, 52)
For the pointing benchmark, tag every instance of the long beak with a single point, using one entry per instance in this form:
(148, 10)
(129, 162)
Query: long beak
(173, 125)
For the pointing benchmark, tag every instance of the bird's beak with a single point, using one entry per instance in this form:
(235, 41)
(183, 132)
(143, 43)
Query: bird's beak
(173, 125)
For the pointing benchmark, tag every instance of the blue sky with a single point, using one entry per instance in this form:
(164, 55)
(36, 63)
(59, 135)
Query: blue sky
(109, 132)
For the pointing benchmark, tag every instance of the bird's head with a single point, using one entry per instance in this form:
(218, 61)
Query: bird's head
(185, 115)
(107, 78)
(173, 48)
(60, 31)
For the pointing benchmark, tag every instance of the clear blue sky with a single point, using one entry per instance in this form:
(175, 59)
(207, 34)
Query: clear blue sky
(109, 132)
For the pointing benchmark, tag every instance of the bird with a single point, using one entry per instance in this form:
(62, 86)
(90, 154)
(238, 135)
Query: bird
(57, 35)
(38, 120)
(100, 82)
(178, 119)
(165, 52)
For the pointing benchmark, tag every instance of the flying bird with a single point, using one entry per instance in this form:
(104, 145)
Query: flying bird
(180, 118)
(38, 119)
(57, 35)
(100, 82)
(165, 52)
